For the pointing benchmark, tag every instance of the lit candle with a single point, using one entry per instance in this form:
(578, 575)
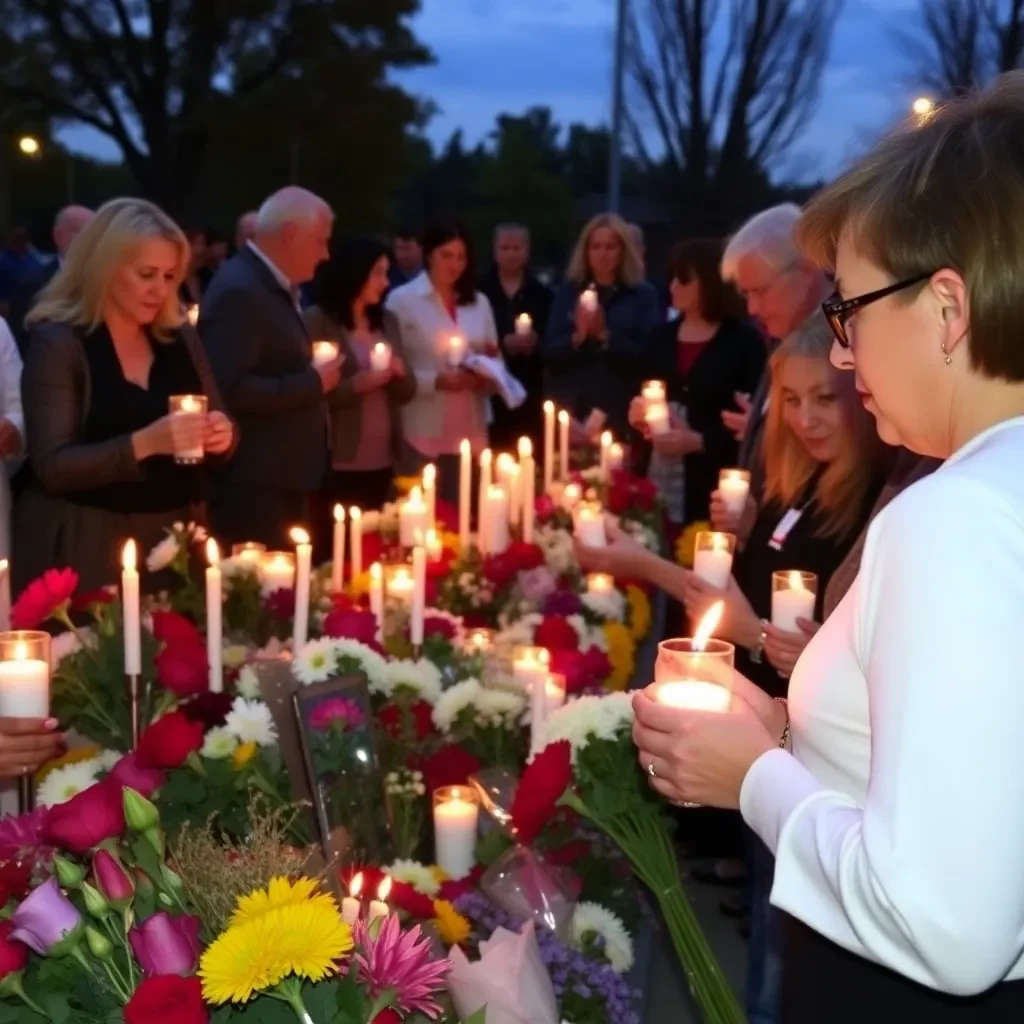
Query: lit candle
(400, 585)
(250, 552)
(24, 675)
(705, 665)
(527, 486)
(590, 525)
(377, 598)
(338, 551)
(456, 351)
(496, 532)
(380, 357)
(303, 572)
(694, 694)
(606, 448)
(549, 444)
(524, 324)
(508, 477)
(351, 905)
(465, 485)
(324, 352)
(419, 594)
(616, 457)
(379, 906)
(192, 314)
(563, 444)
(572, 494)
(656, 417)
(712, 558)
(530, 667)
(480, 641)
(547, 695)
(214, 616)
(589, 299)
(355, 516)
(131, 611)
(599, 583)
(793, 597)
(435, 546)
(653, 392)
(734, 489)
(481, 515)
(412, 518)
(188, 416)
(430, 492)
(277, 571)
(456, 812)
(5, 595)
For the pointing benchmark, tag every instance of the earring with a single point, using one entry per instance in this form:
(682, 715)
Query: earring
(949, 358)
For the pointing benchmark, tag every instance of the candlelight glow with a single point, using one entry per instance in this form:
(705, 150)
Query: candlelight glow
(796, 581)
(719, 542)
(464, 448)
(708, 625)
(21, 651)
(416, 495)
(298, 535)
(129, 556)
(355, 514)
(4, 565)
(375, 572)
(525, 448)
(496, 491)
(606, 439)
(212, 552)
(380, 348)
(485, 457)
(923, 106)
(355, 887)
(339, 513)
(429, 474)
(189, 404)
(384, 889)
(549, 407)
(504, 462)
(563, 417)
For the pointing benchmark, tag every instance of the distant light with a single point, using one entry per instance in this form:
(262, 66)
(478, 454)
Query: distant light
(923, 106)
(29, 145)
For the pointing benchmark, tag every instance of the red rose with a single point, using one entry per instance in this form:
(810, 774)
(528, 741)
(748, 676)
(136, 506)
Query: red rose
(91, 598)
(209, 708)
(404, 897)
(556, 634)
(449, 766)
(128, 773)
(171, 628)
(43, 597)
(352, 624)
(543, 782)
(13, 954)
(453, 888)
(169, 740)
(183, 669)
(525, 556)
(391, 718)
(15, 877)
(169, 999)
(628, 491)
(439, 625)
(280, 604)
(84, 821)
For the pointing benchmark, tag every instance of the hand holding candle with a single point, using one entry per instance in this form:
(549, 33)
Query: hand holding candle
(590, 524)
(188, 419)
(456, 351)
(734, 489)
(324, 353)
(380, 357)
(794, 595)
(25, 674)
(695, 672)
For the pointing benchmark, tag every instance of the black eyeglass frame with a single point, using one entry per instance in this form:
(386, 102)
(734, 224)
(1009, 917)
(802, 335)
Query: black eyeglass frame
(837, 311)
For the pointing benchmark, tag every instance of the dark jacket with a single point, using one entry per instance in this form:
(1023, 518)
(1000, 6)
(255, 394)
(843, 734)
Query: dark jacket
(23, 298)
(261, 356)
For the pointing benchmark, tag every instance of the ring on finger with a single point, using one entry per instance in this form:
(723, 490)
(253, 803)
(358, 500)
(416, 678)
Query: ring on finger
(652, 771)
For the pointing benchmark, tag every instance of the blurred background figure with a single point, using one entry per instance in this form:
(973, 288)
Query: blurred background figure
(407, 249)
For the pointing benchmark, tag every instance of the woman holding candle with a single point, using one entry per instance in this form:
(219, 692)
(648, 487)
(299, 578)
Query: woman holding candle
(109, 348)
(892, 801)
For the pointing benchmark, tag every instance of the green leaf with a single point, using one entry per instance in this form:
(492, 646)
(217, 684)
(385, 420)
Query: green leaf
(57, 1006)
(146, 858)
(480, 1017)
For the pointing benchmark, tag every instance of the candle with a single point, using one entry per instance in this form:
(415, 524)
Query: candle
(435, 546)
(430, 492)
(455, 820)
(480, 641)
(734, 489)
(456, 351)
(481, 514)
(249, 552)
(380, 357)
(131, 612)
(549, 444)
(653, 391)
(530, 667)
(338, 551)
(571, 496)
(508, 477)
(412, 518)
(696, 672)
(527, 486)
(214, 616)
(324, 352)
(188, 417)
(589, 299)
(693, 694)
(793, 597)
(465, 483)
(355, 516)
(524, 324)
(303, 573)
(563, 444)
(599, 583)
(496, 532)
(616, 458)
(379, 906)
(419, 595)
(377, 598)
(278, 571)
(712, 558)
(606, 450)
(192, 314)
(590, 524)
(351, 905)
(656, 417)
(24, 674)
(547, 694)
(5, 595)
(400, 585)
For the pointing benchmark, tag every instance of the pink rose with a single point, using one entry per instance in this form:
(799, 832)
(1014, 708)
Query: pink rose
(166, 945)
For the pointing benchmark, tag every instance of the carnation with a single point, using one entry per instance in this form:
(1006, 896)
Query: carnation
(251, 721)
(423, 678)
(413, 873)
(588, 718)
(454, 701)
(593, 922)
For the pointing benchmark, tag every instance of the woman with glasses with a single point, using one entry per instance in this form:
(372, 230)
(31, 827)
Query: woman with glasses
(890, 788)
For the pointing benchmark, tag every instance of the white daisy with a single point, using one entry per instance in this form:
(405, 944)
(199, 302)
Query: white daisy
(420, 877)
(163, 554)
(251, 720)
(453, 701)
(220, 743)
(315, 662)
(248, 684)
(63, 783)
(592, 920)
(421, 677)
(351, 655)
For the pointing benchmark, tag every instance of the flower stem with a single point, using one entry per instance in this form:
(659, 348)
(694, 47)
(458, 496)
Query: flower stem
(290, 992)
(14, 985)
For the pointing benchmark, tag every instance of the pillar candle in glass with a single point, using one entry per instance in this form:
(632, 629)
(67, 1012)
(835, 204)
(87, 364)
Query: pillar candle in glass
(600, 583)
(530, 667)
(589, 299)
(572, 495)
(324, 352)
(549, 444)
(188, 417)
(413, 515)
(192, 313)
(377, 598)
(249, 552)
(456, 812)
(430, 492)
(355, 516)
(380, 357)
(712, 557)
(793, 597)
(419, 595)
(379, 906)
(214, 617)
(657, 418)
(399, 585)
(495, 538)
(338, 551)
(606, 450)
(547, 694)
(563, 444)
(277, 571)
(25, 674)
(616, 457)
(456, 351)
(695, 675)
(352, 905)
(465, 493)
(486, 459)
(653, 392)
(590, 524)
(734, 489)
(303, 581)
(131, 610)
(527, 484)
(524, 324)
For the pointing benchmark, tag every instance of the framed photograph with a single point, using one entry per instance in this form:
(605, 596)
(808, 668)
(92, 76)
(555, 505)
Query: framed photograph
(346, 779)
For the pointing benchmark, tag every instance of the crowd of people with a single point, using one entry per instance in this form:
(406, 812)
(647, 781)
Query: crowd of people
(841, 354)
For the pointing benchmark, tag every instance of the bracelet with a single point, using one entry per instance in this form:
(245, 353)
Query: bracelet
(784, 742)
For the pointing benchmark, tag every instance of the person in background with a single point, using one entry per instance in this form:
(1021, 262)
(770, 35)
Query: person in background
(595, 357)
(245, 229)
(450, 403)
(12, 434)
(512, 291)
(108, 349)
(637, 234)
(408, 252)
(366, 420)
(191, 290)
(705, 356)
(18, 264)
(216, 256)
(261, 354)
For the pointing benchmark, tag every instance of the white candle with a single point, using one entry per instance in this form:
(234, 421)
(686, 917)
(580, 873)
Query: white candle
(549, 444)
(324, 352)
(465, 485)
(419, 595)
(599, 583)
(616, 458)
(400, 586)
(380, 357)
(572, 494)
(435, 546)
(530, 667)
(606, 449)
(507, 471)
(338, 551)
(355, 516)
(303, 572)
(590, 525)
(546, 695)
(412, 518)
(792, 599)
(653, 391)
(379, 906)
(430, 492)
(524, 324)
(377, 598)
(712, 561)
(351, 905)
(694, 694)
(734, 489)
(131, 613)
(563, 444)
(496, 532)
(192, 314)
(188, 415)
(24, 685)
(456, 351)
(656, 417)
(214, 617)
(5, 595)
(277, 571)
(589, 299)
(455, 821)
(485, 483)
(527, 485)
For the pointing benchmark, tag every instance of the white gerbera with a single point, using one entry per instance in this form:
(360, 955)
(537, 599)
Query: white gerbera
(163, 554)
(61, 784)
(592, 920)
(454, 701)
(610, 606)
(248, 684)
(315, 662)
(501, 708)
(251, 721)
(588, 718)
(219, 743)
(373, 666)
(413, 873)
(422, 677)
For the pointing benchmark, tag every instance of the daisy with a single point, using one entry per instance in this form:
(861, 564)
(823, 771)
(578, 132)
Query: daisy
(419, 876)
(220, 743)
(315, 662)
(592, 921)
(63, 783)
(248, 684)
(250, 721)
(163, 554)
(107, 759)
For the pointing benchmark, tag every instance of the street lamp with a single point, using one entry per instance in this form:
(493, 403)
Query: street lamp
(923, 106)
(29, 145)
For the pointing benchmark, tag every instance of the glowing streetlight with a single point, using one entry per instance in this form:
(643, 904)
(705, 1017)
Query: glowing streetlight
(923, 106)
(29, 145)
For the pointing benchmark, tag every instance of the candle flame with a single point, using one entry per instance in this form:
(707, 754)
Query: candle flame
(375, 572)
(21, 651)
(464, 447)
(429, 474)
(719, 542)
(378, 348)
(298, 535)
(339, 513)
(708, 625)
(416, 495)
(485, 457)
(455, 341)
(384, 889)
(355, 514)
(212, 552)
(796, 581)
(129, 556)
(525, 448)
(504, 462)
(572, 491)
(606, 439)
(617, 450)
(495, 491)
(4, 565)
(549, 407)
(563, 416)
(355, 887)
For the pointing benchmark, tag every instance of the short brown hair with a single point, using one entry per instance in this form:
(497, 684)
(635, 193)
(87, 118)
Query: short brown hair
(945, 190)
(702, 258)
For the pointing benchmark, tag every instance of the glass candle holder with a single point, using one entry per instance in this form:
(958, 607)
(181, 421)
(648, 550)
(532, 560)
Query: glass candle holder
(653, 391)
(657, 418)
(712, 557)
(250, 552)
(688, 674)
(188, 417)
(457, 349)
(399, 584)
(530, 666)
(496, 789)
(277, 571)
(380, 357)
(24, 674)
(600, 583)
(324, 352)
(456, 814)
(794, 595)
(734, 489)
(589, 524)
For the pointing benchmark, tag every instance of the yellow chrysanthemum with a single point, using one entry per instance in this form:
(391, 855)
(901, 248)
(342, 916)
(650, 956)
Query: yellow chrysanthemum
(243, 754)
(687, 542)
(451, 925)
(74, 756)
(304, 939)
(439, 873)
(621, 651)
(279, 893)
(639, 611)
(404, 484)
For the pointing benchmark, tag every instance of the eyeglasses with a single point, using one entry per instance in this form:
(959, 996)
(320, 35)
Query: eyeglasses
(837, 311)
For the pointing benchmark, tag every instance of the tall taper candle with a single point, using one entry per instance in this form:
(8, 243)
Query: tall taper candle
(465, 500)
(214, 617)
(606, 449)
(419, 594)
(485, 485)
(5, 595)
(303, 569)
(563, 445)
(377, 598)
(132, 613)
(338, 552)
(527, 486)
(549, 444)
(355, 515)
(430, 492)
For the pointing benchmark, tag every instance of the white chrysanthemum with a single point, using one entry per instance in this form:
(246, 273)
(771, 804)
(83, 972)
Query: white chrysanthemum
(251, 721)
(63, 783)
(248, 684)
(590, 920)
(610, 606)
(413, 873)
(106, 759)
(219, 744)
(315, 662)
(588, 718)
(163, 554)
(422, 677)
(63, 646)
(370, 662)
(453, 701)
(500, 708)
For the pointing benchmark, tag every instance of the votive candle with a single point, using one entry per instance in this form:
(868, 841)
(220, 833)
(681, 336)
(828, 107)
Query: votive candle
(712, 558)
(456, 812)
(794, 595)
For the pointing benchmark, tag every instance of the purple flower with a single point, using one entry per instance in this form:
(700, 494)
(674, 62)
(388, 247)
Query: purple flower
(44, 917)
(537, 584)
(166, 945)
(336, 713)
(562, 602)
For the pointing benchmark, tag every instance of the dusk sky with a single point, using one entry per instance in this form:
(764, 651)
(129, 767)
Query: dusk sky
(495, 56)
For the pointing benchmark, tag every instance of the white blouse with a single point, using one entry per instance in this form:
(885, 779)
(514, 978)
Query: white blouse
(898, 826)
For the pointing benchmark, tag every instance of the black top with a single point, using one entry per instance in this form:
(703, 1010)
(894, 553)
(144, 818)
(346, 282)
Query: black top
(732, 360)
(118, 407)
(535, 299)
(804, 550)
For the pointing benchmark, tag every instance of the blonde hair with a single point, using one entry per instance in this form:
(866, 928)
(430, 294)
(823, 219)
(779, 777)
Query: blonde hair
(631, 269)
(78, 292)
(789, 467)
